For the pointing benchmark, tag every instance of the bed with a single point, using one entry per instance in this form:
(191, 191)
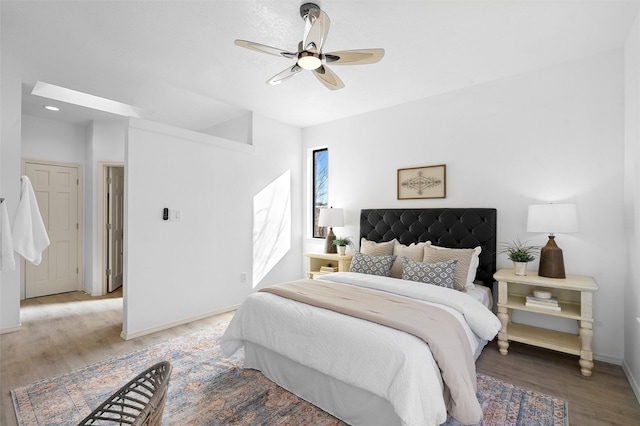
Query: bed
(360, 371)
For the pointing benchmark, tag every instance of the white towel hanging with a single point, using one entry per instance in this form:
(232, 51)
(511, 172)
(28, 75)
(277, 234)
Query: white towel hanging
(7, 259)
(29, 233)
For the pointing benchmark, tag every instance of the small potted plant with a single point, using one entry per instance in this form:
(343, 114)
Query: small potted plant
(341, 243)
(520, 254)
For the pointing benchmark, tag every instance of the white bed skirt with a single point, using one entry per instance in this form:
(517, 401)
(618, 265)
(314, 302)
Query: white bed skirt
(335, 367)
(350, 404)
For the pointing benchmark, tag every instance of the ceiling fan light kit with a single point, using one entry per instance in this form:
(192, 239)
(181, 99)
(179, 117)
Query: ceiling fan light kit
(309, 61)
(310, 56)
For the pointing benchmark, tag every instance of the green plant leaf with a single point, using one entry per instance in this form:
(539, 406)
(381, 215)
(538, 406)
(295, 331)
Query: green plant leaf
(519, 251)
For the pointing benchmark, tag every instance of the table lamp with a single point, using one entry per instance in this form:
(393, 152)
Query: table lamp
(329, 218)
(552, 218)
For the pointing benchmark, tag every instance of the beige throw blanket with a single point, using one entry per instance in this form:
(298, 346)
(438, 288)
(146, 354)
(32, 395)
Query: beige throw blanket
(439, 329)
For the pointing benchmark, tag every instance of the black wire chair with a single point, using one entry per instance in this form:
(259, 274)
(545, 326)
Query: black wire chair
(140, 402)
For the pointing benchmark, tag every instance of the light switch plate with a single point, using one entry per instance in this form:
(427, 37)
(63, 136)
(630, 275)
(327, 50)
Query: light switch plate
(175, 215)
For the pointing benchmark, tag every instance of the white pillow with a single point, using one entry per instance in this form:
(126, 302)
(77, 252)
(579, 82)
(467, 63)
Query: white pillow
(468, 261)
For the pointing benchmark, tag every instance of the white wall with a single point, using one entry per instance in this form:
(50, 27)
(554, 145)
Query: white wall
(10, 119)
(632, 206)
(551, 135)
(176, 271)
(104, 143)
(52, 140)
(238, 129)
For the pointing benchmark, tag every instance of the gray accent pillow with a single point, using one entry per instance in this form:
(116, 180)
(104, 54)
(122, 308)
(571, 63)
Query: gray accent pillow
(372, 265)
(463, 275)
(376, 249)
(440, 274)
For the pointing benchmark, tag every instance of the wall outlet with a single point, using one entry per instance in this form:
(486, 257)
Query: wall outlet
(243, 277)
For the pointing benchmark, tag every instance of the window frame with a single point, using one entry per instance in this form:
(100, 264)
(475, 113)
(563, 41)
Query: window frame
(319, 231)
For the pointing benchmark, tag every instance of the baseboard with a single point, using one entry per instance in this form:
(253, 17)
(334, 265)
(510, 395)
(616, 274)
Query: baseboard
(607, 359)
(90, 292)
(129, 336)
(632, 380)
(13, 329)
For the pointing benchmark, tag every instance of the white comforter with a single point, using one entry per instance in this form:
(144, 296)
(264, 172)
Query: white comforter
(389, 363)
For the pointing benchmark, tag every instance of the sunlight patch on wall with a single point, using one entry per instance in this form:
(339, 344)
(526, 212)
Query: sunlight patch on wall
(271, 226)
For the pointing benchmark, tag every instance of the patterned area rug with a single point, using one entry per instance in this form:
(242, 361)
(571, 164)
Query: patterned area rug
(206, 388)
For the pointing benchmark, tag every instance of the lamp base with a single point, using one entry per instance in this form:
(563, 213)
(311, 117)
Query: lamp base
(551, 260)
(329, 247)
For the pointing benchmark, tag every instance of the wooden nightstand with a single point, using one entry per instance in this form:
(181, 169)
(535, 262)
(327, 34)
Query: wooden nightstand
(318, 260)
(574, 294)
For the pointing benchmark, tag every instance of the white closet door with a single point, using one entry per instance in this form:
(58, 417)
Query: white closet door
(56, 189)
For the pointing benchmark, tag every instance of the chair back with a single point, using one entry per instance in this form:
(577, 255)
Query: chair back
(139, 403)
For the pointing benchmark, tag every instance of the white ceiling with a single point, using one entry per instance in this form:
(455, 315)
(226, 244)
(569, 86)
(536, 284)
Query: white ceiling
(176, 59)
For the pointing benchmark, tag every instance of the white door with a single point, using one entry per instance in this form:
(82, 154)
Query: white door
(56, 189)
(115, 228)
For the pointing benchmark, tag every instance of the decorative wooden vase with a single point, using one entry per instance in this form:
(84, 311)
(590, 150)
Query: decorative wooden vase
(329, 247)
(551, 260)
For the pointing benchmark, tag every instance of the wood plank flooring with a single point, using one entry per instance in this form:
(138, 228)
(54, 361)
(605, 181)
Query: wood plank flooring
(605, 398)
(68, 331)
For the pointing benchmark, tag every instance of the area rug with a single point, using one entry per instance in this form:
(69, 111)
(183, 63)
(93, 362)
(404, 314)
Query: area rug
(207, 388)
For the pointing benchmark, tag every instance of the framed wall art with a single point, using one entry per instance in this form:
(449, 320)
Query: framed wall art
(422, 182)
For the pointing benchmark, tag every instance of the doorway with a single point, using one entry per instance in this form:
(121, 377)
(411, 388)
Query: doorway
(111, 222)
(58, 191)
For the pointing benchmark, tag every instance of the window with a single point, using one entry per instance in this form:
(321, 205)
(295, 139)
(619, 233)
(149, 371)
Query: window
(320, 188)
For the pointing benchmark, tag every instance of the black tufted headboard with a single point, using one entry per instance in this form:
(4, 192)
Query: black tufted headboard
(453, 228)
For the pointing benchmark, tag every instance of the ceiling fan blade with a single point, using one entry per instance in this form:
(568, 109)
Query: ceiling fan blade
(354, 57)
(283, 75)
(316, 29)
(328, 78)
(263, 48)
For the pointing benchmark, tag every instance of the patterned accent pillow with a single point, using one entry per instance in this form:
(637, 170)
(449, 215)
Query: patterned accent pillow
(376, 249)
(413, 252)
(466, 267)
(372, 265)
(440, 274)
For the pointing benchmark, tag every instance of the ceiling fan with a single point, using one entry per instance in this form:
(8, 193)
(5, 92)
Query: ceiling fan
(310, 56)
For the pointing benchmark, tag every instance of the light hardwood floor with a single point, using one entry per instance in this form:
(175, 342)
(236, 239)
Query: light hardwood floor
(64, 332)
